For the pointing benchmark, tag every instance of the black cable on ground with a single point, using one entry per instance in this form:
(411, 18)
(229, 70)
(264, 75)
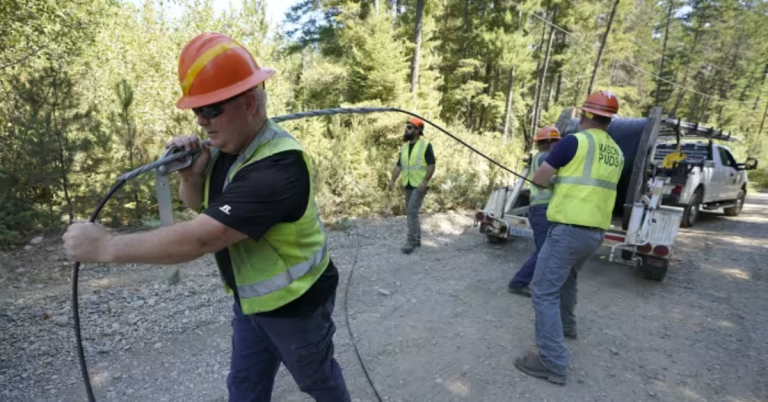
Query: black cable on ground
(346, 318)
(75, 310)
(170, 158)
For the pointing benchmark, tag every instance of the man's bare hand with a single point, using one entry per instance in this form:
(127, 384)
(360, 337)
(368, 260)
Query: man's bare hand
(423, 188)
(189, 143)
(87, 242)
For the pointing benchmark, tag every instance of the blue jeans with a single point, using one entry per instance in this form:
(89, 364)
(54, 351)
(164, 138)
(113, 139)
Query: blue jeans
(537, 217)
(303, 344)
(553, 289)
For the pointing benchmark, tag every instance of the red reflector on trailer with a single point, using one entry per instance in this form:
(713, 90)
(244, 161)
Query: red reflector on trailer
(677, 190)
(662, 251)
(613, 237)
(645, 249)
(480, 216)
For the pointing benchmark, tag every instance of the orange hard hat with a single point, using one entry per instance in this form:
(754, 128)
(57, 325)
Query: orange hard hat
(214, 67)
(550, 133)
(602, 103)
(418, 123)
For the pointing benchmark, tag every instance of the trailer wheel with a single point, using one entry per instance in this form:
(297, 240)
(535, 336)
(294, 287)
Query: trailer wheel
(654, 273)
(495, 239)
(692, 210)
(735, 211)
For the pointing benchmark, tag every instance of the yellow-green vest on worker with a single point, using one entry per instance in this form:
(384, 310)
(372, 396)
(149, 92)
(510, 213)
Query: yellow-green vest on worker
(585, 188)
(539, 195)
(413, 167)
(288, 259)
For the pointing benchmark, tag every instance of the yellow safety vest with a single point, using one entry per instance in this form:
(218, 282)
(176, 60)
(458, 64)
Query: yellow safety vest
(585, 188)
(282, 265)
(539, 196)
(414, 167)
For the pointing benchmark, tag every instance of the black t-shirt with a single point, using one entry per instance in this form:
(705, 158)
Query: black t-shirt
(429, 156)
(271, 191)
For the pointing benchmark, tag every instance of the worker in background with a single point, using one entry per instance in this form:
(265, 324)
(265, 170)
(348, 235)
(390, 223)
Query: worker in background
(588, 166)
(259, 219)
(417, 165)
(545, 139)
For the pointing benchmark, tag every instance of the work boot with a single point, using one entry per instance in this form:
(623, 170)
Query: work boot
(408, 248)
(570, 334)
(531, 364)
(520, 290)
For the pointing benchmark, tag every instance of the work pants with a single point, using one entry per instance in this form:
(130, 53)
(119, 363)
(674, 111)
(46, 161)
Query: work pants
(537, 217)
(553, 289)
(413, 201)
(303, 344)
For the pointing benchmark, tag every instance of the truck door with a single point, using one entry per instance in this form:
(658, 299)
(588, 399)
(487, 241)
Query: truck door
(730, 168)
(710, 175)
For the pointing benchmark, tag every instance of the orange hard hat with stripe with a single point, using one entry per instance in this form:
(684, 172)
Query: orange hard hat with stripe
(549, 133)
(214, 67)
(602, 103)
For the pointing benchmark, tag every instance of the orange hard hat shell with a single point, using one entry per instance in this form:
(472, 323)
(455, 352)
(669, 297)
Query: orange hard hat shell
(214, 67)
(417, 122)
(547, 133)
(602, 103)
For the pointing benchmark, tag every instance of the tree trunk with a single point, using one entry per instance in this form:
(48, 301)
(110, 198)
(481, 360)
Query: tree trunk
(538, 70)
(551, 93)
(663, 54)
(762, 122)
(417, 46)
(61, 151)
(508, 106)
(681, 93)
(537, 105)
(602, 47)
(559, 83)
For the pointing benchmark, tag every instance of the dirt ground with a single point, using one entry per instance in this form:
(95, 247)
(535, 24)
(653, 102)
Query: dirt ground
(437, 325)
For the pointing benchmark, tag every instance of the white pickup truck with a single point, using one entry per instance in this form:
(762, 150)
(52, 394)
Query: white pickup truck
(701, 175)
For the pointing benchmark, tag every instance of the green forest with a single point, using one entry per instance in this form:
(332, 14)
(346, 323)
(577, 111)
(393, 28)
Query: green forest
(89, 86)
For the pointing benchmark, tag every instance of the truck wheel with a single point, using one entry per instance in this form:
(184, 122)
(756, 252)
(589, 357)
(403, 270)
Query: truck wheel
(495, 239)
(692, 210)
(654, 273)
(735, 211)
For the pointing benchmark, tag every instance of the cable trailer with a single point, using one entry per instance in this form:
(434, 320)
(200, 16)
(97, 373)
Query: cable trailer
(643, 231)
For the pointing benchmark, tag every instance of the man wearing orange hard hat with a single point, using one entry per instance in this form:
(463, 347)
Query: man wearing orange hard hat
(416, 162)
(253, 186)
(545, 139)
(588, 166)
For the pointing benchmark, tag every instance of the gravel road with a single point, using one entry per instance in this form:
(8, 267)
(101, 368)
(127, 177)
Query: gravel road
(437, 325)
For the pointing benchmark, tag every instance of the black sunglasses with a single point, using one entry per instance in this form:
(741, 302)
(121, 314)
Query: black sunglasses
(215, 110)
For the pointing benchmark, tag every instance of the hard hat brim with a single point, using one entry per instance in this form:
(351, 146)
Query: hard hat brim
(193, 101)
(596, 111)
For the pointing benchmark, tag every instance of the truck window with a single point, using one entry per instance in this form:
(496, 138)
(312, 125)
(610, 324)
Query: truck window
(727, 158)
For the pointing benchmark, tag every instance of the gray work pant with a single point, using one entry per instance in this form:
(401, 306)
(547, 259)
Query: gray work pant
(553, 288)
(413, 201)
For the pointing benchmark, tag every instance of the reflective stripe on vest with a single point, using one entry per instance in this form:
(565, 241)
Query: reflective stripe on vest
(585, 189)
(287, 260)
(539, 196)
(413, 167)
(281, 281)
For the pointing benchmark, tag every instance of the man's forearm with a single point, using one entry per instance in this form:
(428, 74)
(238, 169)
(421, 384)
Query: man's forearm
(395, 174)
(168, 245)
(191, 191)
(430, 172)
